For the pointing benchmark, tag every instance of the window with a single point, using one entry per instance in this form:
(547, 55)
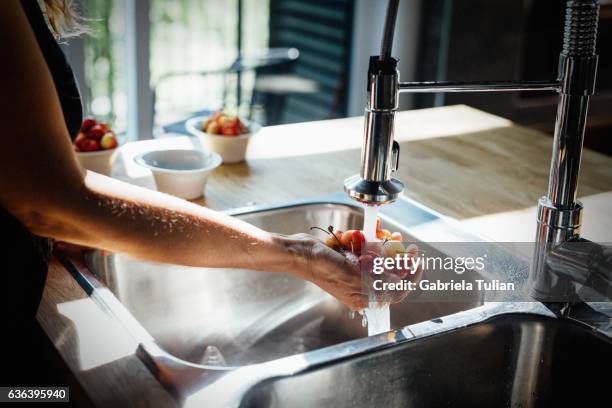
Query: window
(105, 80)
(185, 39)
(199, 37)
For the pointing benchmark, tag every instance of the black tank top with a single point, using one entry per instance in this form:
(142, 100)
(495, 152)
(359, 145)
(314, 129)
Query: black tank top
(24, 256)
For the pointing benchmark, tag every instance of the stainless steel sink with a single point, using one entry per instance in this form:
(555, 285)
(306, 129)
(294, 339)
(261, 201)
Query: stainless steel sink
(252, 317)
(200, 329)
(511, 360)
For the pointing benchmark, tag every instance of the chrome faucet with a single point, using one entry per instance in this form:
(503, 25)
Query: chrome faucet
(559, 213)
(380, 153)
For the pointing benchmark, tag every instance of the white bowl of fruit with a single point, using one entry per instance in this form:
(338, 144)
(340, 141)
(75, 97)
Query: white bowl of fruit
(225, 134)
(95, 146)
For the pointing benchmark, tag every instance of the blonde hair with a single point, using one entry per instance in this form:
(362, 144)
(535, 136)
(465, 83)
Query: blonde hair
(63, 18)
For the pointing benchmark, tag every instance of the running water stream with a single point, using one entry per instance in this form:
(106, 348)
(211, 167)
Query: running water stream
(377, 315)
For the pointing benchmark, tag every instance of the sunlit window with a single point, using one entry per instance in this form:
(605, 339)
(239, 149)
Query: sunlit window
(191, 43)
(104, 61)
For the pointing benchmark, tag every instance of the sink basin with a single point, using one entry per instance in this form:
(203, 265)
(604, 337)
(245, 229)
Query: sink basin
(251, 317)
(196, 325)
(514, 360)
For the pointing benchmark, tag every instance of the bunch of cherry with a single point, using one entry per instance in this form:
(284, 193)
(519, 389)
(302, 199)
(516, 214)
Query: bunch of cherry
(353, 245)
(94, 136)
(354, 241)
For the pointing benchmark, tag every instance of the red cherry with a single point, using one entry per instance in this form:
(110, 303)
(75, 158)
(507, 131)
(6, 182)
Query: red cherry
(79, 140)
(346, 239)
(96, 132)
(227, 130)
(357, 239)
(87, 124)
(230, 127)
(236, 126)
(90, 145)
(80, 136)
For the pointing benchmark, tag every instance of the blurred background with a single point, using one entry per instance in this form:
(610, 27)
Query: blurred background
(148, 65)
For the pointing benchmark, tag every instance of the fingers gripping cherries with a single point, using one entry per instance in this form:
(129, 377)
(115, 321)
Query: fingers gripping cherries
(353, 244)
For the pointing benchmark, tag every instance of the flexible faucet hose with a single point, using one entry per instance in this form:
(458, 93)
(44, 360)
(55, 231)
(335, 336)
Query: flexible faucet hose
(387, 39)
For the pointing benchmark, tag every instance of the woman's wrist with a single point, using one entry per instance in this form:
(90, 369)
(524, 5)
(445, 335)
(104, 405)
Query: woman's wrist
(294, 254)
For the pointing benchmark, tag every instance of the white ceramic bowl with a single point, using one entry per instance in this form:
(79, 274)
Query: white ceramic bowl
(99, 161)
(231, 148)
(182, 173)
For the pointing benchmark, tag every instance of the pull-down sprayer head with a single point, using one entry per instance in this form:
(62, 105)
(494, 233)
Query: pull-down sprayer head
(380, 153)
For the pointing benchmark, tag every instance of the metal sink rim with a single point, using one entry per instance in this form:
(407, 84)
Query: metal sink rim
(235, 392)
(230, 389)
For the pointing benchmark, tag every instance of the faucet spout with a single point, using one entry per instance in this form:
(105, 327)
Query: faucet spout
(380, 153)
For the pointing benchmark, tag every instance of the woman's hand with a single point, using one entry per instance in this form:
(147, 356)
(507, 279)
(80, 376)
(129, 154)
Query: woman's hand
(389, 275)
(326, 268)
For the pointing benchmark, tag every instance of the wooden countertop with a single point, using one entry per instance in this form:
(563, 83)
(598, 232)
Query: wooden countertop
(478, 168)
(460, 161)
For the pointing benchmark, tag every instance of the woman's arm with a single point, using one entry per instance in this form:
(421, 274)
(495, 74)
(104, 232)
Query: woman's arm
(43, 186)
